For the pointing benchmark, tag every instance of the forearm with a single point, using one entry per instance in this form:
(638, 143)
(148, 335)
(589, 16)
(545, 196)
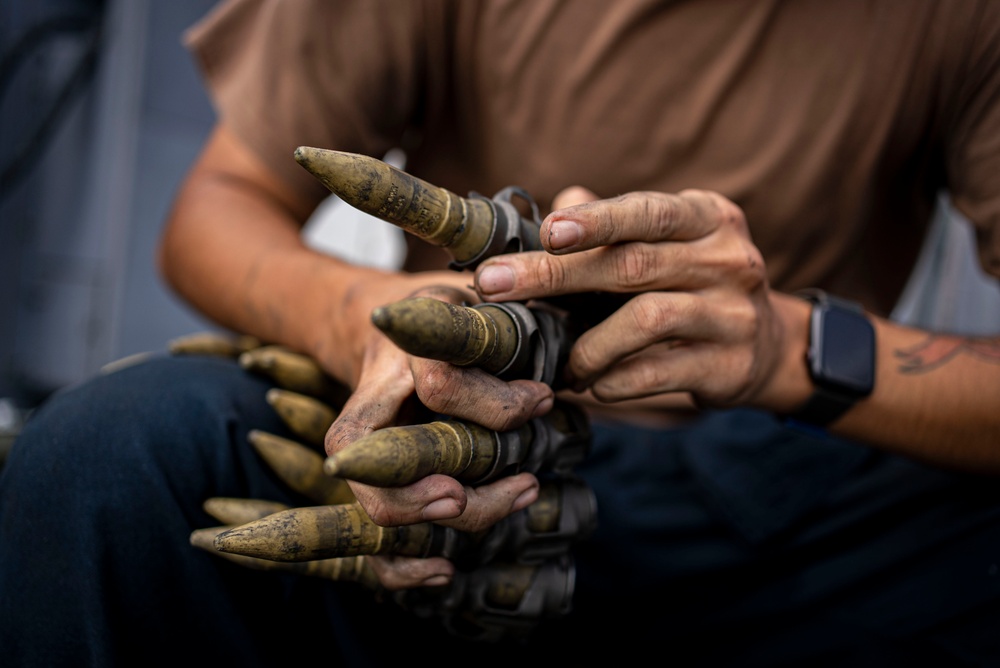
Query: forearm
(237, 256)
(232, 248)
(936, 397)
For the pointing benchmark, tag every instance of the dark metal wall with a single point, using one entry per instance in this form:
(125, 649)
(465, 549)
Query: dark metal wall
(101, 112)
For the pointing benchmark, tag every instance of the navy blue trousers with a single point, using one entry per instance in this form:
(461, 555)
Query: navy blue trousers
(735, 540)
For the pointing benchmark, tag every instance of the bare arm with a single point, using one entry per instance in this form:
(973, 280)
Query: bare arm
(233, 249)
(708, 325)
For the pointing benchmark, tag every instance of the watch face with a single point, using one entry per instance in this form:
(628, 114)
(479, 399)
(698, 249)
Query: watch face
(844, 343)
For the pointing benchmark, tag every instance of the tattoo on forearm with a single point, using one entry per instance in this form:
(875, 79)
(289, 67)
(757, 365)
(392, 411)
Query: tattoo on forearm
(937, 350)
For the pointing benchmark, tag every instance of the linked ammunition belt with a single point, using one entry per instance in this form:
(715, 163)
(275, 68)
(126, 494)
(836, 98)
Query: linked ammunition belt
(510, 578)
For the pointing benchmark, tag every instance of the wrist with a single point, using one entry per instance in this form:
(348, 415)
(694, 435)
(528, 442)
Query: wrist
(790, 385)
(334, 325)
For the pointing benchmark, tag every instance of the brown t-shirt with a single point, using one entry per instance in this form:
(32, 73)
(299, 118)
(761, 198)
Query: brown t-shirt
(832, 124)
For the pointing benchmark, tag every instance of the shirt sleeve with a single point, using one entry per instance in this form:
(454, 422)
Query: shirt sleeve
(337, 74)
(973, 147)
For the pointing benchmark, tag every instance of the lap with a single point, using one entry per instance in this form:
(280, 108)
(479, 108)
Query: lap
(871, 555)
(734, 529)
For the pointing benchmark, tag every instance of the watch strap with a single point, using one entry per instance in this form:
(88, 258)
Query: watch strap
(825, 404)
(823, 407)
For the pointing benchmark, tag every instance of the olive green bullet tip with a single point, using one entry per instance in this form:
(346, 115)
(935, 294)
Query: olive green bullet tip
(331, 467)
(381, 317)
(304, 153)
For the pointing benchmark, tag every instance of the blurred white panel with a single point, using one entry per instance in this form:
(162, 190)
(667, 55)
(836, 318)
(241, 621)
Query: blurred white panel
(949, 291)
(345, 232)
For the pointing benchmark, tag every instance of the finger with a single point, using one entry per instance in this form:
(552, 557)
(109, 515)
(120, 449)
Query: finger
(624, 268)
(687, 258)
(712, 358)
(397, 573)
(480, 507)
(384, 385)
(432, 498)
(490, 503)
(711, 372)
(671, 319)
(446, 293)
(475, 395)
(637, 216)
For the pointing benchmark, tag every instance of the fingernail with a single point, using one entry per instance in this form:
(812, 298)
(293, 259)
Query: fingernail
(442, 509)
(563, 234)
(543, 407)
(527, 498)
(436, 581)
(495, 278)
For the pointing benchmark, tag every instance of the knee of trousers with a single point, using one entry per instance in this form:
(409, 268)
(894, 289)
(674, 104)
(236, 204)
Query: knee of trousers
(171, 425)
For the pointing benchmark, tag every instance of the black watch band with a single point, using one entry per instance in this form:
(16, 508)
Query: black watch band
(823, 407)
(841, 358)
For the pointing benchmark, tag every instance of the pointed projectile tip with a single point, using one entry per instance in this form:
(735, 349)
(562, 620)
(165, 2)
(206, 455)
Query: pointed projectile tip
(245, 360)
(232, 539)
(313, 159)
(306, 155)
(331, 467)
(302, 153)
(381, 317)
(205, 538)
(461, 335)
(436, 215)
(428, 327)
(342, 173)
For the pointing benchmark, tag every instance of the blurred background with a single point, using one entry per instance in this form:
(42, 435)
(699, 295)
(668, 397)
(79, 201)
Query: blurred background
(101, 113)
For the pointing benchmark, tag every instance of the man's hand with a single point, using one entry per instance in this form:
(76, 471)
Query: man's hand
(389, 381)
(703, 319)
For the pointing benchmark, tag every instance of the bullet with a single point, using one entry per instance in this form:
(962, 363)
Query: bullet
(485, 337)
(397, 456)
(212, 343)
(469, 228)
(466, 451)
(347, 569)
(234, 511)
(295, 372)
(125, 362)
(322, 532)
(564, 514)
(306, 416)
(497, 601)
(301, 468)
(506, 339)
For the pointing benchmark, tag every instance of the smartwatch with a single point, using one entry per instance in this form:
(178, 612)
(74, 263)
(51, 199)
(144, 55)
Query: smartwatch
(841, 357)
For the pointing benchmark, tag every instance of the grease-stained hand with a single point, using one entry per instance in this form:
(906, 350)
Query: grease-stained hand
(390, 381)
(701, 318)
